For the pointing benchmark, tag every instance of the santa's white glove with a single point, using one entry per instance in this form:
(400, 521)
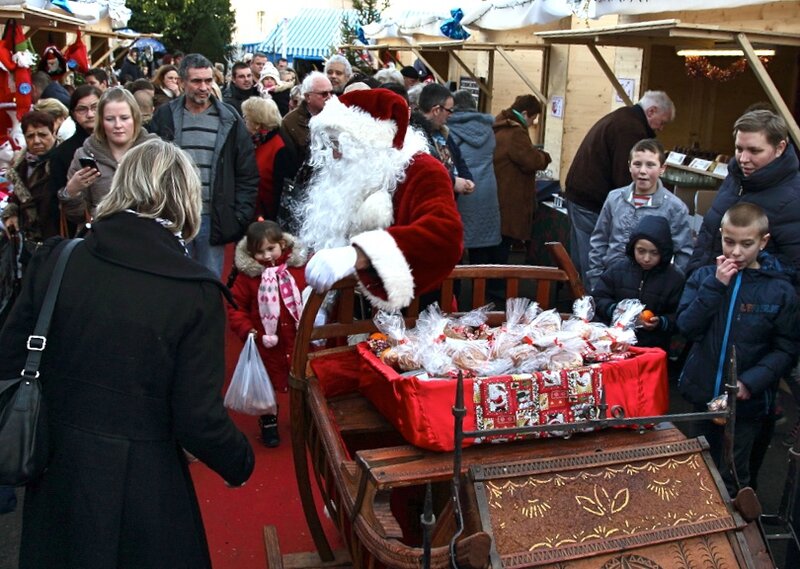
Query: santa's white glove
(330, 265)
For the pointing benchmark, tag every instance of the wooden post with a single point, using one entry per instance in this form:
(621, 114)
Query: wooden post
(768, 85)
(439, 78)
(470, 73)
(521, 73)
(610, 75)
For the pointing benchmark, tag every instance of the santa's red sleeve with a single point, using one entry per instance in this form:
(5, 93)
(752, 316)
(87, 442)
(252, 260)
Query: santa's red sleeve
(423, 244)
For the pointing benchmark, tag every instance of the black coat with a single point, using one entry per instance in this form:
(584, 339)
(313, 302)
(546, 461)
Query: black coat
(234, 175)
(776, 189)
(601, 163)
(133, 371)
(235, 96)
(659, 289)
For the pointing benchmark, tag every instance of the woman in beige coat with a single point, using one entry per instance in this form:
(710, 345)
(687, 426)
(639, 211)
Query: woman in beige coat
(117, 130)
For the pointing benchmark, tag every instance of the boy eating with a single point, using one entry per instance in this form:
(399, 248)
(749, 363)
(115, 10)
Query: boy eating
(746, 300)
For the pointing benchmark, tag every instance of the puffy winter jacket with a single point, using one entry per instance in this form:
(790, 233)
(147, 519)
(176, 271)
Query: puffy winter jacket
(776, 189)
(620, 216)
(762, 308)
(659, 289)
(472, 132)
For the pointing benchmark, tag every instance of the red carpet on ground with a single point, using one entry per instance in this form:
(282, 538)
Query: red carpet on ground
(234, 517)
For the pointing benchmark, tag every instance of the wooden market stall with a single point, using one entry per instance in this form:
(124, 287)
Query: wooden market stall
(706, 108)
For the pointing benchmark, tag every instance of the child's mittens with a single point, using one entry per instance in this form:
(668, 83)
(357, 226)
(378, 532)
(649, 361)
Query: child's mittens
(269, 341)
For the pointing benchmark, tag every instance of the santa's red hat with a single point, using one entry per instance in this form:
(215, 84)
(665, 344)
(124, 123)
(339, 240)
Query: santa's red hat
(375, 116)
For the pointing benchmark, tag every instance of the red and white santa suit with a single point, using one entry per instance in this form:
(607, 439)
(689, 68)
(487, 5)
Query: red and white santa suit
(375, 189)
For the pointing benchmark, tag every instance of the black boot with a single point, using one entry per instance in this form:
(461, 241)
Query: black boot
(269, 430)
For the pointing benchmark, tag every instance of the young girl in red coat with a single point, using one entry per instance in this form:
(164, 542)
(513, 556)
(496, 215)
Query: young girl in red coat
(267, 292)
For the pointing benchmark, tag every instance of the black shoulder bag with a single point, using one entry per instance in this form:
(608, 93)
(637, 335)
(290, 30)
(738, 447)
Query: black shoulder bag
(23, 421)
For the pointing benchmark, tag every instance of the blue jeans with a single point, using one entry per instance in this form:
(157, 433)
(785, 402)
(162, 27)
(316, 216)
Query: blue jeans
(581, 226)
(202, 251)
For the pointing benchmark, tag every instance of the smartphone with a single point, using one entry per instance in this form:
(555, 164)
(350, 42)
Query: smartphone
(88, 163)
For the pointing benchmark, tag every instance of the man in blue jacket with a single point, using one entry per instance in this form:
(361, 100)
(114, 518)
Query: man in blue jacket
(214, 135)
(745, 300)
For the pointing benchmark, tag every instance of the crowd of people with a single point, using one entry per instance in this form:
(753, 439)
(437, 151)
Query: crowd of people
(388, 178)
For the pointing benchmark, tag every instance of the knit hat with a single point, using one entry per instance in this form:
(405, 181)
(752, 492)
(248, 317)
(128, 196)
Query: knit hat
(376, 116)
(270, 71)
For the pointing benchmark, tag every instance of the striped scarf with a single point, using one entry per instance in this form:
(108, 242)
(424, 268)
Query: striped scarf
(277, 285)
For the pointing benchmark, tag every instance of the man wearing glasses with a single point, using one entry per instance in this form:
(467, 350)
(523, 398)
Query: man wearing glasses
(434, 108)
(316, 89)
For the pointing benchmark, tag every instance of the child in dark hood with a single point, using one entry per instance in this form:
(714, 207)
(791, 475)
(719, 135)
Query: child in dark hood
(645, 273)
(746, 300)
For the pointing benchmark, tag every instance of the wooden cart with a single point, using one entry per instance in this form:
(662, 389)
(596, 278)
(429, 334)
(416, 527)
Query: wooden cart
(383, 493)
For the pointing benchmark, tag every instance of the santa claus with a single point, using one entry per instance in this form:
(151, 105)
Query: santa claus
(378, 206)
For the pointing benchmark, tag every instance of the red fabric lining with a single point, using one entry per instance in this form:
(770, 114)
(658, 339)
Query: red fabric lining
(421, 409)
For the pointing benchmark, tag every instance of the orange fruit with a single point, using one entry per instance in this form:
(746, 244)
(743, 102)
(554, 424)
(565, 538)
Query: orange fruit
(377, 336)
(646, 315)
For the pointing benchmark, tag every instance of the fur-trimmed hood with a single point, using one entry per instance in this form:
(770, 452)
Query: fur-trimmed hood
(247, 265)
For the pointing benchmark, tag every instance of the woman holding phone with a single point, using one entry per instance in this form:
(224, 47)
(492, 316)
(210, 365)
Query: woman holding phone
(118, 129)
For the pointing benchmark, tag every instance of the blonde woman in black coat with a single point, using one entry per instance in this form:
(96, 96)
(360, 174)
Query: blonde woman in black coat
(132, 373)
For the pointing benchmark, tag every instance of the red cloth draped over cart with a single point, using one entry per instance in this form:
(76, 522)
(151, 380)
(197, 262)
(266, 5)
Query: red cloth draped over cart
(421, 409)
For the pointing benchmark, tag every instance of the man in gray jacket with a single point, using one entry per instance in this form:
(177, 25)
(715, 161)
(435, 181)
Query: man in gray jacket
(215, 136)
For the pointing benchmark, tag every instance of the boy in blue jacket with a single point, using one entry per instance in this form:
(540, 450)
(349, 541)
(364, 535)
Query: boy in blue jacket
(746, 299)
(647, 273)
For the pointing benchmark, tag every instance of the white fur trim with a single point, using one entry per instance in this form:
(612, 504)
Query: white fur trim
(389, 262)
(24, 58)
(375, 212)
(355, 121)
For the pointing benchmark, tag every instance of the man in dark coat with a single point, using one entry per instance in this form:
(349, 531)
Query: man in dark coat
(216, 138)
(435, 107)
(43, 87)
(130, 70)
(242, 86)
(601, 165)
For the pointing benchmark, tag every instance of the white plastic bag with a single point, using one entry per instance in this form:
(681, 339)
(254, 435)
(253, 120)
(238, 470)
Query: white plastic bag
(251, 391)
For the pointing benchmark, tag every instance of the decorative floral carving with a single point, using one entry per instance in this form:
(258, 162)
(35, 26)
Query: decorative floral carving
(602, 504)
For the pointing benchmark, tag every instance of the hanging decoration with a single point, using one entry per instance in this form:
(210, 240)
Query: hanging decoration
(452, 27)
(702, 68)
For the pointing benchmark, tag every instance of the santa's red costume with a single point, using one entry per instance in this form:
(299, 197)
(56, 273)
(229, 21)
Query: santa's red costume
(378, 205)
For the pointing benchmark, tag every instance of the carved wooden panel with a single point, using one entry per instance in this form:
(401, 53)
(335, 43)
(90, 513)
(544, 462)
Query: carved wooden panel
(662, 505)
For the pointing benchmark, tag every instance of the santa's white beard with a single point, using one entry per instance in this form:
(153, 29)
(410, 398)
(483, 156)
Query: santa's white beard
(348, 195)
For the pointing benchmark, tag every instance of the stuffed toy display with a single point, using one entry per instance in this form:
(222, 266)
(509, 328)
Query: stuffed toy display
(15, 87)
(53, 62)
(77, 56)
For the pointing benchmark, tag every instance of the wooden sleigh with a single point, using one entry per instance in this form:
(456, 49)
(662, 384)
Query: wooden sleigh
(397, 505)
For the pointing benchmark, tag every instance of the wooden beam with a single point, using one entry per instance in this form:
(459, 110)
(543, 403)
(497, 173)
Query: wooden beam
(439, 78)
(522, 75)
(610, 75)
(769, 86)
(471, 74)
